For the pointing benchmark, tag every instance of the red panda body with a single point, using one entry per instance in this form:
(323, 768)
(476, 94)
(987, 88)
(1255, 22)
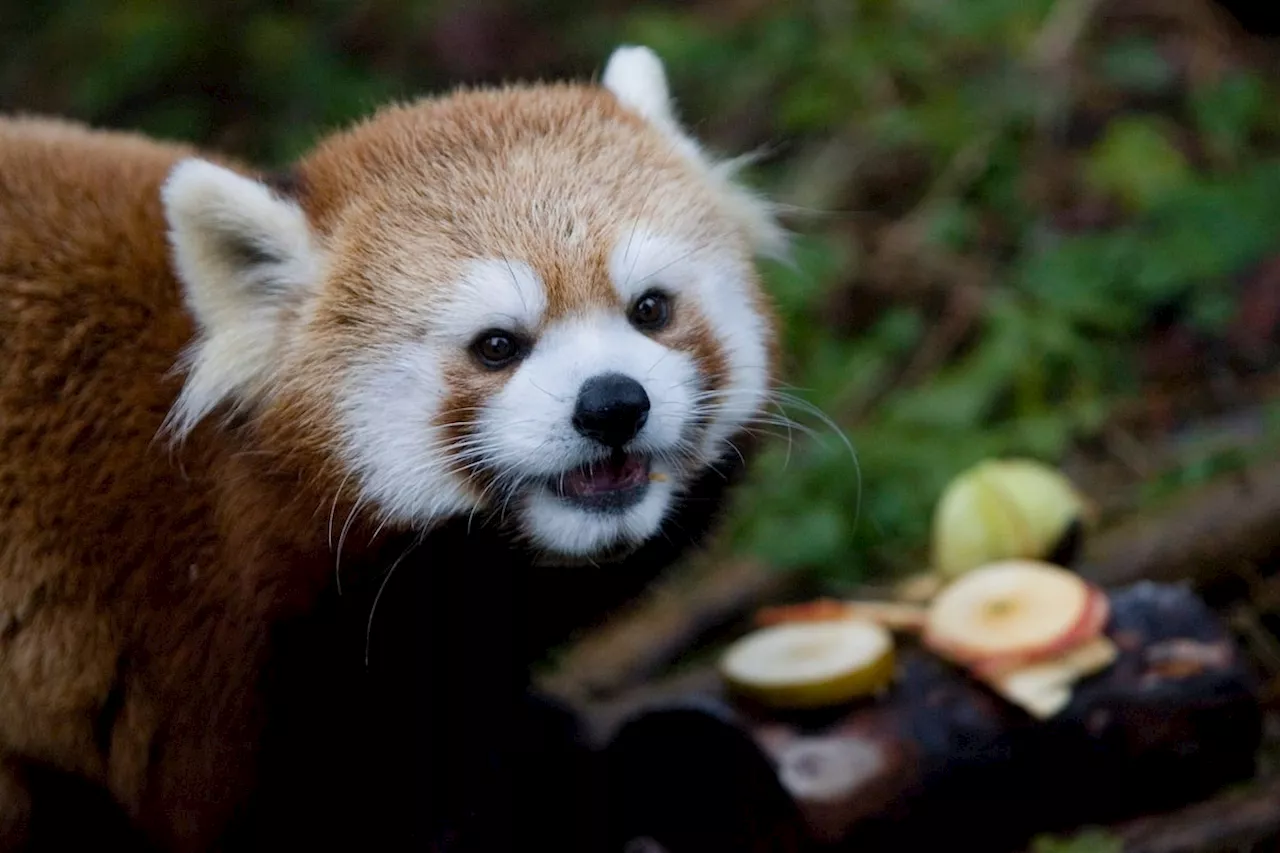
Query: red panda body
(209, 476)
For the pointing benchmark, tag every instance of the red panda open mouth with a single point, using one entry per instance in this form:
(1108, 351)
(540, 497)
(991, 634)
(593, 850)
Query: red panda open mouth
(615, 483)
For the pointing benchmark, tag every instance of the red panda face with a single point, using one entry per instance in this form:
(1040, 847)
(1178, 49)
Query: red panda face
(537, 306)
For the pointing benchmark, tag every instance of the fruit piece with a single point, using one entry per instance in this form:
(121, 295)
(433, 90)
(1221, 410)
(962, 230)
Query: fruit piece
(920, 588)
(1028, 629)
(1002, 509)
(810, 664)
(896, 616)
(1044, 688)
(1092, 622)
(818, 610)
(1014, 609)
(1095, 618)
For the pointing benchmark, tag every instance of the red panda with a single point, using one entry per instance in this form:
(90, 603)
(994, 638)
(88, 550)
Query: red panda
(475, 367)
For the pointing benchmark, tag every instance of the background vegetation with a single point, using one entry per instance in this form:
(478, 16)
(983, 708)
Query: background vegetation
(1044, 227)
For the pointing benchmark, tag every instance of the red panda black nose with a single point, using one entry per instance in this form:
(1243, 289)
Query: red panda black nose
(611, 409)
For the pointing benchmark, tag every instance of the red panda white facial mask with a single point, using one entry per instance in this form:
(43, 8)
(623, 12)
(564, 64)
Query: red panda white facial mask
(537, 305)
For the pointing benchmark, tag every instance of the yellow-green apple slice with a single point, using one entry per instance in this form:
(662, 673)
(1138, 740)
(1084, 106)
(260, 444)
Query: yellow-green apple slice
(810, 664)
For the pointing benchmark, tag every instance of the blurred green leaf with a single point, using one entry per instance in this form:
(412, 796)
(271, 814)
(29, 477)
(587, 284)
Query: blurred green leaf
(1137, 162)
(1228, 111)
(1087, 841)
(1136, 65)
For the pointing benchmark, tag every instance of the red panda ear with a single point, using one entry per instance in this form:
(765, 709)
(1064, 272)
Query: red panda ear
(637, 79)
(242, 254)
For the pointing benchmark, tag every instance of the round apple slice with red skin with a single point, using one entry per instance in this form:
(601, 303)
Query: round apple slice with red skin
(1091, 626)
(1015, 610)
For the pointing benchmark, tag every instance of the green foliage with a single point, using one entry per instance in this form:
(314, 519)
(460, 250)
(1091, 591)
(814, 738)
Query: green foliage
(958, 124)
(1086, 841)
(1137, 162)
(1135, 65)
(1054, 349)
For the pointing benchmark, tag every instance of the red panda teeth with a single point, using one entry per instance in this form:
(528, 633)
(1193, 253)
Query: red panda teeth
(612, 475)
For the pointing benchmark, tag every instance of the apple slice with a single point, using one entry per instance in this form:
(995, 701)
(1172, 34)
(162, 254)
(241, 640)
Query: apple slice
(810, 664)
(1012, 610)
(1091, 625)
(896, 616)
(920, 588)
(1044, 688)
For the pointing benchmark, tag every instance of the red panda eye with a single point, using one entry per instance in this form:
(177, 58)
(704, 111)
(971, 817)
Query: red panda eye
(496, 348)
(651, 312)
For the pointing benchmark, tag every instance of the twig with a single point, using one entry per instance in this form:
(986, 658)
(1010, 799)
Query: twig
(1067, 23)
(1230, 822)
(642, 641)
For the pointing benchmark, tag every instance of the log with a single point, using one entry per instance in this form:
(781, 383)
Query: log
(1233, 821)
(941, 757)
(1232, 521)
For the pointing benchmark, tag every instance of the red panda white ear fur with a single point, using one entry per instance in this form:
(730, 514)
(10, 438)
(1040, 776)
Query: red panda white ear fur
(637, 79)
(244, 256)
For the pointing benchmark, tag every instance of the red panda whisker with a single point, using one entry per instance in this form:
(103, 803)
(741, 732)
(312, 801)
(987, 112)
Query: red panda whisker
(558, 398)
(654, 366)
(644, 208)
(511, 492)
(516, 282)
(333, 508)
(774, 420)
(373, 609)
(777, 435)
(715, 469)
(383, 519)
(467, 424)
(342, 538)
(479, 502)
(690, 253)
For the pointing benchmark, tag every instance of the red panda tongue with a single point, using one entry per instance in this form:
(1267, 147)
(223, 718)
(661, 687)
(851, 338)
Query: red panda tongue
(619, 472)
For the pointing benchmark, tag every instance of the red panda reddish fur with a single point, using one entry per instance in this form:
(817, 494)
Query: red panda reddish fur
(148, 588)
(135, 582)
